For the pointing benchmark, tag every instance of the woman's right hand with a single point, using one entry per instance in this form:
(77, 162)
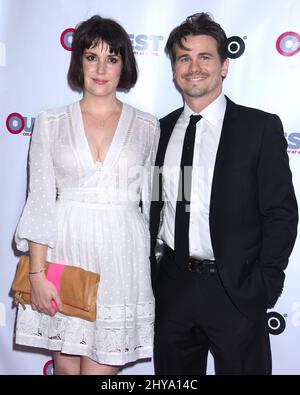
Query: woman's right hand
(43, 293)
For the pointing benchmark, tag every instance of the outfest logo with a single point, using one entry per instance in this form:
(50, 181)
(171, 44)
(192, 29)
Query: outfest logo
(48, 368)
(288, 44)
(143, 44)
(293, 141)
(17, 124)
(66, 39)
(151, 44)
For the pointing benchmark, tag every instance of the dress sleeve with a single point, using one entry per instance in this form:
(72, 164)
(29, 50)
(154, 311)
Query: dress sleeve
(38, 220)
(149, 167)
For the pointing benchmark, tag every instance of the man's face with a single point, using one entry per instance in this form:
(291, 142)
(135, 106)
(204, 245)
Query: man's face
(198, 70)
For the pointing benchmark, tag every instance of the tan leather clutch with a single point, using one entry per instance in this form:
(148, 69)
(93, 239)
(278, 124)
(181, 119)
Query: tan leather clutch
(77, 287)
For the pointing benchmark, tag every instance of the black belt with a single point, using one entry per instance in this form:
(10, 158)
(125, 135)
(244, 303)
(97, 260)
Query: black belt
(205, 266)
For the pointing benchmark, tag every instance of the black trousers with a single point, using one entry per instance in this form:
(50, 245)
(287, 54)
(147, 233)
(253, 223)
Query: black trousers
(194, 315)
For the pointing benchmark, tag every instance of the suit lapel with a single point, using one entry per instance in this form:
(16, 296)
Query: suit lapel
(228, 130)
(167, 125)
(223, 155)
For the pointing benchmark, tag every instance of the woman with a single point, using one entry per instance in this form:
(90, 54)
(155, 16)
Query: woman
(87, 177)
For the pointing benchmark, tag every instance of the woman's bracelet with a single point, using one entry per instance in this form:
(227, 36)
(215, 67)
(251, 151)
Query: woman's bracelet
(39, 271)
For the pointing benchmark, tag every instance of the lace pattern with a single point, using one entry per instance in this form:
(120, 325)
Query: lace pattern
(111, 339)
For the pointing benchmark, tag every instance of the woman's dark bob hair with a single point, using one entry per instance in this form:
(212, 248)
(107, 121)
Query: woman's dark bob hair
(89, 34)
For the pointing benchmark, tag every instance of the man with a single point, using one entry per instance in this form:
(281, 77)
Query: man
(224, 254)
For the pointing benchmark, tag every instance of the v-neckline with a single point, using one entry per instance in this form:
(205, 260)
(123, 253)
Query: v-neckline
(115, 138)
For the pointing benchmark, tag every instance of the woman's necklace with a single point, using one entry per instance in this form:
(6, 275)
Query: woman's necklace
(101, 122)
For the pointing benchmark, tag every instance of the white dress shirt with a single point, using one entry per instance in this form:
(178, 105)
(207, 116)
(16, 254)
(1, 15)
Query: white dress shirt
(208, 132)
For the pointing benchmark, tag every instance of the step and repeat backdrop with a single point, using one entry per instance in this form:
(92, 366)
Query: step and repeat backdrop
(35, 45)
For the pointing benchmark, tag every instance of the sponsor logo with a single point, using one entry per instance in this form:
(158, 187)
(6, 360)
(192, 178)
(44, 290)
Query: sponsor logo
(276, 323)
(2, 54)
(66, 39)
(236, 47)
(288, 44)
(48, 369)
(293, 140)
(144, 44)
(16, 124)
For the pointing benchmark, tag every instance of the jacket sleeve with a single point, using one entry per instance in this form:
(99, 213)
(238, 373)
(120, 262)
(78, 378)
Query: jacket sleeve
(278, 207)
(38, 220)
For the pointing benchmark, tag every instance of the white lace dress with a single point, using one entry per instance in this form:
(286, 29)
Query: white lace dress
(89, 216)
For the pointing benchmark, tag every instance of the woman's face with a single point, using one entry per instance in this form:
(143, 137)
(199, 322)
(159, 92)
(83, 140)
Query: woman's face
(101, 70)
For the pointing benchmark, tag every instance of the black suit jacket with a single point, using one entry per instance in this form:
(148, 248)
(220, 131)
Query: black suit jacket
(253, 210)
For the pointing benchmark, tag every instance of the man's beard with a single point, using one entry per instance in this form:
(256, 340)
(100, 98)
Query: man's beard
(195, 92)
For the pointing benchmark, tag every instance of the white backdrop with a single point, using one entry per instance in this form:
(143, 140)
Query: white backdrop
(34, 59)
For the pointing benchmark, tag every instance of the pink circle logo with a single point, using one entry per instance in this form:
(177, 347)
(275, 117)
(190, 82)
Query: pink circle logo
(48, 368)
(66, 39)
(15, 123)
(288, 44)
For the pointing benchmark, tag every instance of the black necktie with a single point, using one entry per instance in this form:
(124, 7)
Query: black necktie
(182, 215)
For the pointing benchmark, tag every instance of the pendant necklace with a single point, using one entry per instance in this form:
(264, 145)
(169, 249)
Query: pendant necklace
(101, 122)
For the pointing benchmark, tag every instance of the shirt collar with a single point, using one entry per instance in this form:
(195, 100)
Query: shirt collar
(213, 113)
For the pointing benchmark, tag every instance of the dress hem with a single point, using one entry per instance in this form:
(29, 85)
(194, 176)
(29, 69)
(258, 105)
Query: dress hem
(83, 351)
